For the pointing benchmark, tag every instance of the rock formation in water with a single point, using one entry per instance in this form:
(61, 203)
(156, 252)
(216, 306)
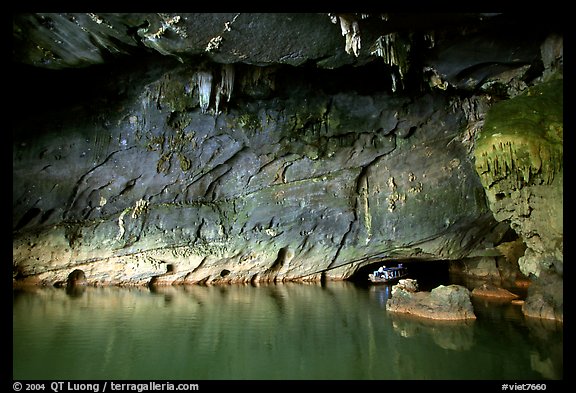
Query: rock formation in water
(233, 147)
(445, 302)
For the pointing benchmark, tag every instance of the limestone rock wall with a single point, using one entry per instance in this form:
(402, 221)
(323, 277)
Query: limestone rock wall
(194, 148)
(519, 157)
(277, 188)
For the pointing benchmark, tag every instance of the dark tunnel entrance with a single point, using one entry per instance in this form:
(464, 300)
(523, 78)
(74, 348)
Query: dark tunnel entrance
(428, 274)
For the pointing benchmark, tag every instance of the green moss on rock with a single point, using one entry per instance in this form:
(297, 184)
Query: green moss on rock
(521, 140)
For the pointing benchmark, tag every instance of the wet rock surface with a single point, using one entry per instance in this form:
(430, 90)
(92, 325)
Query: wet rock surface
(231, 148)
(519, 157)
(492, 291)
(272, 189)
(450, 302)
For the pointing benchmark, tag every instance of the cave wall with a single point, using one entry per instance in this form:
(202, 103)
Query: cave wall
(519, 157)
(160, 153)
(269, 188)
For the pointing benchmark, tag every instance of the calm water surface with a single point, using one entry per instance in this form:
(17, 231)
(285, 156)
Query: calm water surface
(285, 331)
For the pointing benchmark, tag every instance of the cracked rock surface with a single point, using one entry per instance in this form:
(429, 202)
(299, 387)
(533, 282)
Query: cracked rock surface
(232, 148)
(270, 189)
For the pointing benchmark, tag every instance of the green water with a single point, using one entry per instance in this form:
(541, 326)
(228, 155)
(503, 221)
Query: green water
(284, 331)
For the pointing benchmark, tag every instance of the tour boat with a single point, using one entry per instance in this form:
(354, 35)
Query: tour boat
(387, 275)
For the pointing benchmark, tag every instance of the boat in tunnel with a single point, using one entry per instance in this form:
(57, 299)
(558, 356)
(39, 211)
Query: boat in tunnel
(388, 274)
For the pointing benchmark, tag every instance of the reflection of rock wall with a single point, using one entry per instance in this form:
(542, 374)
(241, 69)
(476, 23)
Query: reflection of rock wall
(281, 331)
(452, 335)
(547, 360)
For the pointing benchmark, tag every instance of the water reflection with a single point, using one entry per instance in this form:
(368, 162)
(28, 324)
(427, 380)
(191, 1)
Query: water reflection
(547, 356)
(453, 335)
(287, 331)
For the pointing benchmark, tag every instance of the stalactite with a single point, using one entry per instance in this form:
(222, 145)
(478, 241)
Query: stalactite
(521, 140)
(204, 81)
(518, 160)
(430, 39)
(227, 83)
(225, 86)
(217, 98)
(351, 30)
(394, 51)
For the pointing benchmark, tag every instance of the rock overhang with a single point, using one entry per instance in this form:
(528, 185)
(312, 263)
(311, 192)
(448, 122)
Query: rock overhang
(369, 194)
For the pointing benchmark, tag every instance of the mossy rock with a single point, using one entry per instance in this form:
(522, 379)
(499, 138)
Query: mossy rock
(521, 140)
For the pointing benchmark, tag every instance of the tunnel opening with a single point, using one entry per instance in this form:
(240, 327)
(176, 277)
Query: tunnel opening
(429, 274)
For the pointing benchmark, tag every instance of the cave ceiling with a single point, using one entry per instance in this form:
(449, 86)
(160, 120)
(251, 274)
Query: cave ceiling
(324, 40)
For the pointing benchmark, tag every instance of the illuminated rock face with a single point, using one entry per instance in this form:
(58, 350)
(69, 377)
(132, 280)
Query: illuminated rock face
(225, 148)
(270, 189)
(519, 157)
(448, 303)
(521, 141)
